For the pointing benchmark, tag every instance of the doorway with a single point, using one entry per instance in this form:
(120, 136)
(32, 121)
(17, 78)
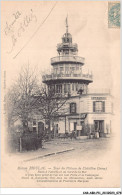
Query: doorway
(99, 126)
(83, 129)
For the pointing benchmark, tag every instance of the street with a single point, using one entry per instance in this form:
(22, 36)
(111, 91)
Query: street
(80, 161)
(83, 150)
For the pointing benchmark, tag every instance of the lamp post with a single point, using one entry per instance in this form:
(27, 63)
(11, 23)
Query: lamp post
(80, 91)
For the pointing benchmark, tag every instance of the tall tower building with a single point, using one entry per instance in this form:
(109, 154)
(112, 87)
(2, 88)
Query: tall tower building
(87, 110)
(67, 76)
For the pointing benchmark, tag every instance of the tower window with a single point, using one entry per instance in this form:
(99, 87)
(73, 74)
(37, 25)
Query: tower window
(61, 69)
(56, 70)
(72, 68)
(52, 88)
(66, 69)
(66, 88)
(72, 86)
(76, 86)
(77, 67)
(72, 108)
(58, 88)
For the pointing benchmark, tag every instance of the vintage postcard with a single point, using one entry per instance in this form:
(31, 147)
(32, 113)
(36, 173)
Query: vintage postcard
(60, 76)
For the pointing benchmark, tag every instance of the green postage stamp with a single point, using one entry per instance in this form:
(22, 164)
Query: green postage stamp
(114, 14)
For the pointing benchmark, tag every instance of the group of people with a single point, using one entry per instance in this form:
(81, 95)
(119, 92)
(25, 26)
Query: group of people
(71, 135)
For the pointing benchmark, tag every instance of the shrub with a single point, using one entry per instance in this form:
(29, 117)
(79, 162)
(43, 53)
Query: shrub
(29, 141)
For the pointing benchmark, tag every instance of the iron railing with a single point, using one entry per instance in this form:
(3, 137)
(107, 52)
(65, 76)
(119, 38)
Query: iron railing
(75, 59)
(67, 76)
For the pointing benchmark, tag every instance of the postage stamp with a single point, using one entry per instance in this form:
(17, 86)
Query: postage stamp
(114, 14)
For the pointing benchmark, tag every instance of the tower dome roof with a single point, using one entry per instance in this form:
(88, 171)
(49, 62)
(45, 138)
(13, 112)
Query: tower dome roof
(67, 38)
(67, 35)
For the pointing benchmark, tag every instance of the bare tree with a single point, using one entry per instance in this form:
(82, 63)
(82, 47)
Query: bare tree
(27, 97)
(50, 105)
(20, 97)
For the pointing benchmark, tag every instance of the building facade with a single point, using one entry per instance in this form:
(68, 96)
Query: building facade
(86, 110)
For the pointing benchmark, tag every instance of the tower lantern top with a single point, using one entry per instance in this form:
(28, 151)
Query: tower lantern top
(67, 47)
(67, 37)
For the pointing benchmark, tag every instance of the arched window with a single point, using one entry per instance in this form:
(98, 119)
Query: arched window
(72, 107)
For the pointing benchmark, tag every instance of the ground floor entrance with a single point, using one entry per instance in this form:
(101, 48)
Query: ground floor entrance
(78, 127)
(99, 126)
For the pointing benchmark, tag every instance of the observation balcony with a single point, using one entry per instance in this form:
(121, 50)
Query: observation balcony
(71, 59)
(71, 76)
(70, 46)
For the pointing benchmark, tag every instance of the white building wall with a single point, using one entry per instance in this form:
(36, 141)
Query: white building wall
(85, 106)
(108, 105)
(107, 118)
(61, 126)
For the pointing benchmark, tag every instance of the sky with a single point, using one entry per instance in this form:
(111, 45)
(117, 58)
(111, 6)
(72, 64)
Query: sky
(31, 31)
